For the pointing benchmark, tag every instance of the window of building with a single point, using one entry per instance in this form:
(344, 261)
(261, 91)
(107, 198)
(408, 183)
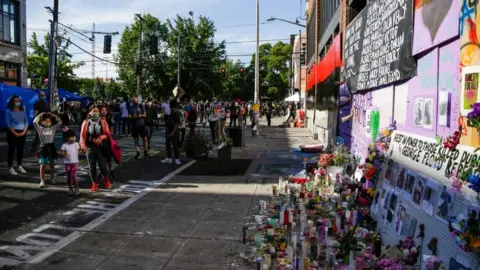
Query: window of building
(9, 73)
(10, 21)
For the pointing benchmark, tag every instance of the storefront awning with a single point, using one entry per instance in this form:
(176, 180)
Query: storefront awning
(332, 60)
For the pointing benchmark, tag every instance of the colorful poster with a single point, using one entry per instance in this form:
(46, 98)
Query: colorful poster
(470, 92)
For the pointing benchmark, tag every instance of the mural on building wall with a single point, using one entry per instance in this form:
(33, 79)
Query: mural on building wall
(422, 102)
(469, 33)
(448, 88)
(435, 22)
(469, 95)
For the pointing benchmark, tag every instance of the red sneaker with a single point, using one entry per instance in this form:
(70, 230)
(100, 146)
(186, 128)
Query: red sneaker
(107, 183)
(94, 188)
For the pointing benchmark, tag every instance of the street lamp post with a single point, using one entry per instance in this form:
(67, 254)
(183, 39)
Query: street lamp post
(257, 59)
(299, 67)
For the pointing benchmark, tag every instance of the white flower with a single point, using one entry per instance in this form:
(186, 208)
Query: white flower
(406, 252)
(414, 249)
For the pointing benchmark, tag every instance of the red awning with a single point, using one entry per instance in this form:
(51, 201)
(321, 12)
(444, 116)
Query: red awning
(332, 60)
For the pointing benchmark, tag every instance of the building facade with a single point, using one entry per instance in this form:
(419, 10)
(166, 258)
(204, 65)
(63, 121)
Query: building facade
(13, 43)
(299, 71)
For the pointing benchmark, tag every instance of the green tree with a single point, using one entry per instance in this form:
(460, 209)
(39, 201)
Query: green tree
(156, 72)
(274, 70)
(235, 84)
(201, 57)
(37, 64)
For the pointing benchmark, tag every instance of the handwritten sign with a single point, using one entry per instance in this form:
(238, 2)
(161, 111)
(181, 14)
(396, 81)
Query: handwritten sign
(378, 45)
(426, 156)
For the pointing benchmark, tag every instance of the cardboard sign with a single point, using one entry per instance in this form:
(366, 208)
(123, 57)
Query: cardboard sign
(426, 156)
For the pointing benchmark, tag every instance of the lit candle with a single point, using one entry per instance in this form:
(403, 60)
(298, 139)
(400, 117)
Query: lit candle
(305, 248)
(289, 254)
(268, 260)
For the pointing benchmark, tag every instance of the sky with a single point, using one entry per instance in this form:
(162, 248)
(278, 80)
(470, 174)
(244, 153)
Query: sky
(235, 21)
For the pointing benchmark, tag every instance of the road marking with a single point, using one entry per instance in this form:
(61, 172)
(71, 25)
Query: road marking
(41, 238)
(88, 227)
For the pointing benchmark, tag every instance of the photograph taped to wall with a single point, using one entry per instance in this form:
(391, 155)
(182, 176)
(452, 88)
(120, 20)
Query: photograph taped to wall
(456, 265)
(418, 112)
(400, 182)
(409, 185)
(387, 200)
(393, 201)
(409, 226)
(446, 197)
(470, 93)
(400, 219)
(418, 191)
(428, 113)
(382, 200)
(376, 202)
(430, 196)
(389, 218)
(443, 108)
(390, 171)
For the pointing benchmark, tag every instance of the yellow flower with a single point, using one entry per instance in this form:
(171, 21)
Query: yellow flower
(371, 192)
(372, 147)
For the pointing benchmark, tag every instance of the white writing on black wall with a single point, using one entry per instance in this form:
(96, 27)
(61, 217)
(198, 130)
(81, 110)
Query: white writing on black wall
(434, 155)
(377, 46)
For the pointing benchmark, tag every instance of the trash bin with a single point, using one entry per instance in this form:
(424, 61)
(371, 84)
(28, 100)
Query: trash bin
(236, 135)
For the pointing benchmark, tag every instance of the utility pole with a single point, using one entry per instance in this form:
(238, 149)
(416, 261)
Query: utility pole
(140, 51)
(93, 53)
(52, 53)
(300, 69)
(257, 59)
(179, 59)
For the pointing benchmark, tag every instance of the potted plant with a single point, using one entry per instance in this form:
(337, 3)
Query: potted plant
(197, 146)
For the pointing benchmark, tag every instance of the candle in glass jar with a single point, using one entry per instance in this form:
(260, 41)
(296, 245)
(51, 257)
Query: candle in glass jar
(289, 254)
(305, 248)
(267, 260)
(310, 223)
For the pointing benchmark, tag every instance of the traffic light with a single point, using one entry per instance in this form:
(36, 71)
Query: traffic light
(153, 45)
(107, 44)
(223, 73)
(303, 53)
(242, 72)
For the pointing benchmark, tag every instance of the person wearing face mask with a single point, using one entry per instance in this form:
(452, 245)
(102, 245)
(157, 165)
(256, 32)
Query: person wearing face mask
(46, 125)
(40, 106)
(69, 152)
(93, 132)
(17, 123)
(151, 118)
(107, 117)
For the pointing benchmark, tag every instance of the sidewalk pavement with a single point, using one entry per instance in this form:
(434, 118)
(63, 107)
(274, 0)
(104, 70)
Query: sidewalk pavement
(187, 221)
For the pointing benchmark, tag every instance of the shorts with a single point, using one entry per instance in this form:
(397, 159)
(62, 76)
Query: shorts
(139, 132)
(48, 159)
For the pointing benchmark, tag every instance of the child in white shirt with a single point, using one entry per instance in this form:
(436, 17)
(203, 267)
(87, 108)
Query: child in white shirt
(69, 152)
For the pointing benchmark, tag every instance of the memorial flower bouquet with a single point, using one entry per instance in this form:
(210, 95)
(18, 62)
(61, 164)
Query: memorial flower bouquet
(434, 263)
(473, 117)
(466, 231)
(389, 264)
(471, 176)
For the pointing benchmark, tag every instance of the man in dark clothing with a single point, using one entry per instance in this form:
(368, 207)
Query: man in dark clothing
(150, 119)
(41, 106)
(137, 114)
(234, 112)
(173, 133)
(268, 112)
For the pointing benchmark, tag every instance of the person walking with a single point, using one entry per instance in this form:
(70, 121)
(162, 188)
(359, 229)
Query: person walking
(182, 127)
(94, 131)
(173, 133)
(151, 119)
(213, 122)
(166, 109)
(137, 114)
(124, 107)
(192, 120)
(17, 123)
(69, 152)
(234, 112)
(268, 112)
(40, 106)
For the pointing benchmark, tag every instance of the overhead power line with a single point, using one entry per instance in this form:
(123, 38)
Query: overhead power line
(101, 59)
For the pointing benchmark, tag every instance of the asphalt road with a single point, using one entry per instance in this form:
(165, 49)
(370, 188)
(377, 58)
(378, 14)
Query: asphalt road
(32, 219)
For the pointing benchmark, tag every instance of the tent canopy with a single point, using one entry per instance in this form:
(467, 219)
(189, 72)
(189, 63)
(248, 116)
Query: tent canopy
(294, 97)
(65, 95)
(28, 97)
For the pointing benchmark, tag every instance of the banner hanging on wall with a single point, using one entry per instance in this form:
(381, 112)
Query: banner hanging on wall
(427, 156)
(378, 45)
